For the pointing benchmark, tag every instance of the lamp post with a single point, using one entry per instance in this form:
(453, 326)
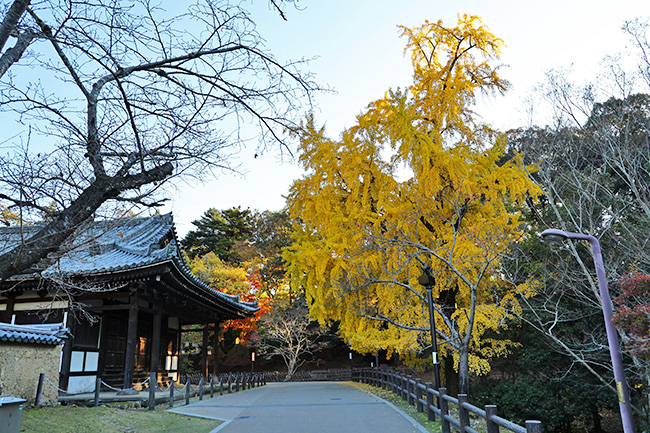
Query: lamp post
(351, 372)
(427, 280)
(554, 235)
(252, 361)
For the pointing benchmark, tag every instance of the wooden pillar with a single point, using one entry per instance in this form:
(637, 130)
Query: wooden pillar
(64, 374)
(204, 350)
(131, 336)
(11, 300)
(155, 342)
(215, 351)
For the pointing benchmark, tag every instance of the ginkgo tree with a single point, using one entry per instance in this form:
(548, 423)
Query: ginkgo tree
(363, 234)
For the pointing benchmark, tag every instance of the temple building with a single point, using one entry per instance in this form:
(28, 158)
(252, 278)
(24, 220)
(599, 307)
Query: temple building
(124, 290)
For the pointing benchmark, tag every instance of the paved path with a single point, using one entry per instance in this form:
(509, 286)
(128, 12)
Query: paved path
(303, 407)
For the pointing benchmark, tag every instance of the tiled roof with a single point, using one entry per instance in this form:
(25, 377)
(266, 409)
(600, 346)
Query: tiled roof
(35, 334)
(111, 246)
(105, 246)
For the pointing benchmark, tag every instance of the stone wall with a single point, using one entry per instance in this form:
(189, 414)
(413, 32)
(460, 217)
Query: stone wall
(20, 366)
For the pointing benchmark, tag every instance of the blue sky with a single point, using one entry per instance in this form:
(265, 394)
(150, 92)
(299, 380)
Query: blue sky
(360, 55)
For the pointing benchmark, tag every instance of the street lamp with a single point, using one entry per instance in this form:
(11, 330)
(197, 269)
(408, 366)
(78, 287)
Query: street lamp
(252, 361)
(554, 235)
(350, 365)
(427, 280)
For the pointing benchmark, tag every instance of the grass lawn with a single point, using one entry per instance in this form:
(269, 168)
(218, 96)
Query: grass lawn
(421, 418)
(67, 419)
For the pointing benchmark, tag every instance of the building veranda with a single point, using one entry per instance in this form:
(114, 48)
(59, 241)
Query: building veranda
(124, 290)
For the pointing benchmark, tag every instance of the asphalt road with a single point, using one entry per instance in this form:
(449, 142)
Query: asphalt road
(303, 407)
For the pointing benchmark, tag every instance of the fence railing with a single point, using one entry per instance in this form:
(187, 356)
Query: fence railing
(194, 385)
(436, 403)
(332, 374)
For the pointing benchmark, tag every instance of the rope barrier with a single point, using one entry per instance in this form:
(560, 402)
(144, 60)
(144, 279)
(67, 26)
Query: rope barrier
(92, 388)
(141, 385)
(84, 391)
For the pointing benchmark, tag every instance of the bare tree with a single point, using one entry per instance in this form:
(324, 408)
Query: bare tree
(286, 331)
(593, 164)
(116, 99)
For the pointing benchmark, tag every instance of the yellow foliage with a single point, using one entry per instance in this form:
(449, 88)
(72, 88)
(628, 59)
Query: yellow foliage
(220, 276)
(8, 216)
(362, 237)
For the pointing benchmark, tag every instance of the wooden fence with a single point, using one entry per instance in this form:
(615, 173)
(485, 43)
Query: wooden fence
(332, 374)
(436, 403)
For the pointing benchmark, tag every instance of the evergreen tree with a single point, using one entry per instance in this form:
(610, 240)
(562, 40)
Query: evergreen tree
(217, 231)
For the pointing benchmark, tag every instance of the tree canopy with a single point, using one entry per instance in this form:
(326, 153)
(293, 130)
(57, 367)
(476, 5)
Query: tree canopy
(363, 234)
(217, 232)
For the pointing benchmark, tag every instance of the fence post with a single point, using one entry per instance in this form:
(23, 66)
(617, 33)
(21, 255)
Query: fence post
(533, 426)
(431, 415)
(212, 387)
(409, 387)
(394, 382)
(98, 387)
(171, 394)
(463, 414)
(418, 395)
(237, 382)
(229, 383)
(187, 392)
(201, 389)
(444, 411)
(39, 390)
(403, 386)
(490, 411)
(152, 390)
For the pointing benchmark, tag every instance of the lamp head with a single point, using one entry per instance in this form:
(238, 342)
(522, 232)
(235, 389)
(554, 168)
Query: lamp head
(554, 235)
(426, 279)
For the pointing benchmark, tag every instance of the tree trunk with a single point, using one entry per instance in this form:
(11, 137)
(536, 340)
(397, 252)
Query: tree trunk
(451, 377)
(291, 369)
(463, 371)
(595, 417)
(50, 237)
(10, 21)
(38, 250)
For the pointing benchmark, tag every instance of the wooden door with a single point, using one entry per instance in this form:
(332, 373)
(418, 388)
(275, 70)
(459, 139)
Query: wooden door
(117, 327)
